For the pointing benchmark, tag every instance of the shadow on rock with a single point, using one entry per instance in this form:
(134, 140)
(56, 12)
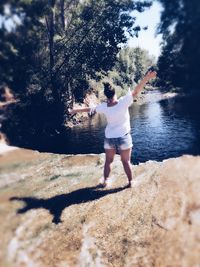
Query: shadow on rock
(57, 204)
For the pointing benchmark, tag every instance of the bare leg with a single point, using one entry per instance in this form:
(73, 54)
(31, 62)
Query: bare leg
(110, 153)
(125, 158)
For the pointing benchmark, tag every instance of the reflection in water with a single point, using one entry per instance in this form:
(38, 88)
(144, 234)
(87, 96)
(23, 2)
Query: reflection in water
(160, 130)
(158, 136)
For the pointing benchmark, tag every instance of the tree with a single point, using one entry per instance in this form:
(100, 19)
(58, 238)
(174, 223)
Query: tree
(180, 26)
(131, 66)
(57, 46)
(78, 46)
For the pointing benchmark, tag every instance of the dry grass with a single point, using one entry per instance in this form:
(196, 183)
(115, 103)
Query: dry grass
(53, 215)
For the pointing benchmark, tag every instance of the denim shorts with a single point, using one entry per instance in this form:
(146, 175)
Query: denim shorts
(120, 143)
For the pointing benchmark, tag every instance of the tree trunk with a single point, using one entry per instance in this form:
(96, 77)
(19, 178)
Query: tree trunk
(54, 84)
(62, 14)
(51, 26)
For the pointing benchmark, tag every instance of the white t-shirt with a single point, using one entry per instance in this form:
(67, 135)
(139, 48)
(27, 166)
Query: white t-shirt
(118, 118)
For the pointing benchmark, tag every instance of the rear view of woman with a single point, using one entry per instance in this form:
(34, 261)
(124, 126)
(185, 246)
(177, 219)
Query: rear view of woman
(117, 132)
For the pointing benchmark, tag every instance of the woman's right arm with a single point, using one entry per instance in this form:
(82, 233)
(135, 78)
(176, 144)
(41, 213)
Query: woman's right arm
(77, 110)
(150, 75)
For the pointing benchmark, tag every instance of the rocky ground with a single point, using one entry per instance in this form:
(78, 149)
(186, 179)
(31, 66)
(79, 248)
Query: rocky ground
(53, 215)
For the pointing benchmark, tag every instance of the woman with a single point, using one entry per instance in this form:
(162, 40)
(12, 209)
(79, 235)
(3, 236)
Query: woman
(117, 132)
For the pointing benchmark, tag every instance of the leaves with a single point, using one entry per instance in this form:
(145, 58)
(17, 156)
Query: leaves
(60, 45)
(180, 26)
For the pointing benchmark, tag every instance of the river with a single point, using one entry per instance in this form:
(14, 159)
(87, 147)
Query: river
(160, 129)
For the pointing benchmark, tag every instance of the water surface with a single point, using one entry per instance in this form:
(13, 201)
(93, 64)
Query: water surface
(160, 130)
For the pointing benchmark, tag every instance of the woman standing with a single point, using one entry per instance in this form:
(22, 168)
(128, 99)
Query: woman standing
(117, 132)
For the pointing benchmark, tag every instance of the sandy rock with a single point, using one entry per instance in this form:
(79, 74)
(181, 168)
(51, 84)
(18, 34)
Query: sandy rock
(52, 214)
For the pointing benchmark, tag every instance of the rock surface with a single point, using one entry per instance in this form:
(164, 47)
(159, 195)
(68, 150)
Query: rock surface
(52, 214)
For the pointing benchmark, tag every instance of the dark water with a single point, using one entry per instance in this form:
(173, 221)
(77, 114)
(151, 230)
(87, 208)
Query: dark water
(160, 130)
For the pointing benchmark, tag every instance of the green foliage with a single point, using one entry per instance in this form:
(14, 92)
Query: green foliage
(20, 62)
(180, 26)
(130, 67)
(46, 52)
(52, 48)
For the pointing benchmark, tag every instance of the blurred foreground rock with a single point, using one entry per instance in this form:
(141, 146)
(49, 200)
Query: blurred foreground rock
(52, 215)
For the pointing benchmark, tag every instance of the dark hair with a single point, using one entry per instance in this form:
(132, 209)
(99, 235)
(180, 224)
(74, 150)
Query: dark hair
(109, 91)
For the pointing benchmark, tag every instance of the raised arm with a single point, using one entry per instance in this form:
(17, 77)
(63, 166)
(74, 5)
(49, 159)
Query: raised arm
(150, 75)
(76, 110)
(90, 108)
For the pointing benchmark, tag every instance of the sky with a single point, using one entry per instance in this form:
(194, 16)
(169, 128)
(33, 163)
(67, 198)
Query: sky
(148, 39)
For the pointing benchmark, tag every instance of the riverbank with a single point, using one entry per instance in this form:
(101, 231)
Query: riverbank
(4, 147)
(52, 214)
(80, 118)
(141, 99)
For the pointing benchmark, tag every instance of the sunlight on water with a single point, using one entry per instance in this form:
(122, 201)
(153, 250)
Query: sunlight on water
(160, 129)
(154, 111)
(159, 132)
